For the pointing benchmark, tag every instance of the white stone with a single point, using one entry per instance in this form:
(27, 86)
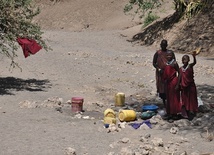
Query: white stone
(174, 130)
(70, 151)
(158, 142)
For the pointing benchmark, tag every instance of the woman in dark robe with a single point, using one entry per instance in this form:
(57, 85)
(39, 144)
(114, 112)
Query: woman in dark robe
(159, 62)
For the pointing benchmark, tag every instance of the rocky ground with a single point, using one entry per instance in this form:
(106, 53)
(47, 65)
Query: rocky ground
(36, 116)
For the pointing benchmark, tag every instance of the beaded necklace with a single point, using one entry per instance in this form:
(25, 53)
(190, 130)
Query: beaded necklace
(184, 69)
(170, 62)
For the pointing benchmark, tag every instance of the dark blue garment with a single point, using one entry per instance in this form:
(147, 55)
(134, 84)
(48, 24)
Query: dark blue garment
(137, 125)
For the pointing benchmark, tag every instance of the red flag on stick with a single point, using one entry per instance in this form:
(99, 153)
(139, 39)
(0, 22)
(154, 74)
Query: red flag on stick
(29, 46)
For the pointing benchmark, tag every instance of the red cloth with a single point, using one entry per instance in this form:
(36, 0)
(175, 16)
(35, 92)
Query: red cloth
(173, 105)
(188, 90)
(161, 63)
(29, 46)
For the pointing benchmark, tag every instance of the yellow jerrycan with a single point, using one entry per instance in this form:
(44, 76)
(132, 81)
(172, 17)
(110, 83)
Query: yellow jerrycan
(127, 115)
(119, 99)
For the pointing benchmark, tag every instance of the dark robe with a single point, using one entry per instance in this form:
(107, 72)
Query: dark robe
(161, 63)
(173, 106)
(188, 89)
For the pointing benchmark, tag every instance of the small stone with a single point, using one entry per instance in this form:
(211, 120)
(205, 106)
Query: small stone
(78, 116)
(122, 125)
(86, 117)
(147, 147)
(59, 109)
(184, 153)
(143, 139)
(70, 151)
(147, 136)
(112, 128)
(145, 152)
(68, 102)
(125, 140)
(158, 142)
(173, 130)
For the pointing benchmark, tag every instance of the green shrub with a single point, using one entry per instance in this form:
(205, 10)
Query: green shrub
(16, 21)
(149, 19)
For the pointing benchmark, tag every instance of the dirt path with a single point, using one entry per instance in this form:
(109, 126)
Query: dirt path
(94, 65)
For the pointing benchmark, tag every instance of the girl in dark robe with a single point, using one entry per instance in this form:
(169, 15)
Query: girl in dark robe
(170, 76)
(188, 88)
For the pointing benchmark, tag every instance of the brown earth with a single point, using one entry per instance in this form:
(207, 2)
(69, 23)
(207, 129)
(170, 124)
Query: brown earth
(91, 58)
(183, 35)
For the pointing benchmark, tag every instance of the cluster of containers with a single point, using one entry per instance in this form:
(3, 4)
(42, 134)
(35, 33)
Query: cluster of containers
(110, 116)
(123, 115)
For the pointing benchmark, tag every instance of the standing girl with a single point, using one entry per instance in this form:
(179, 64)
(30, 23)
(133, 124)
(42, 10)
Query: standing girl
(188, 88)
(170, 76)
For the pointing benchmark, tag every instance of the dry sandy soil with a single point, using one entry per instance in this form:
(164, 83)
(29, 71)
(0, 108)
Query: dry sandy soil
(92, 59)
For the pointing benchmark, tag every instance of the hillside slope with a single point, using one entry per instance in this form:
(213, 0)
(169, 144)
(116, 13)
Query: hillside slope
(100, 15)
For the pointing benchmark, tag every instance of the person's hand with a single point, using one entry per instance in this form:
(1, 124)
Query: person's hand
(194, 53)
(160, 71)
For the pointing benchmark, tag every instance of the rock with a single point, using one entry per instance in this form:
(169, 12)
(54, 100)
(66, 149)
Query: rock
(122, 125)
(174, 130)
(137, 153)
(183, 140)
(70, 151)
(157, 142)
(99, 104)
(28, 104)
(68, 102)
(143, 139)
(147, 136)
(112, 128)
(156, 119)
(183, 153)
(59, 109)
(125, 140)
(78, 116)
(145, 152)
(147, 147)
(182, 123)
(52, 102)
(86, 117)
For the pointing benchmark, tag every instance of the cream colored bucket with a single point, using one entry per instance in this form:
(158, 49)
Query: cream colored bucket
(109, 113)
(120, 99)
(127, 115)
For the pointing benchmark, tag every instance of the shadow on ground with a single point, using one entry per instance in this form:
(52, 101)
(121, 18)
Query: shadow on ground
(10, 84)
(203, 120)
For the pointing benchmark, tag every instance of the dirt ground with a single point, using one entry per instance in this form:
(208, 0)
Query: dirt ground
(94, 63)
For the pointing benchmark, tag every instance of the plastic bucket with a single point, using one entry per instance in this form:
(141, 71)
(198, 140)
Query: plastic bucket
(77, 104)
(119, 99)
(109, 113)
(127, 115)
(109, 120)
